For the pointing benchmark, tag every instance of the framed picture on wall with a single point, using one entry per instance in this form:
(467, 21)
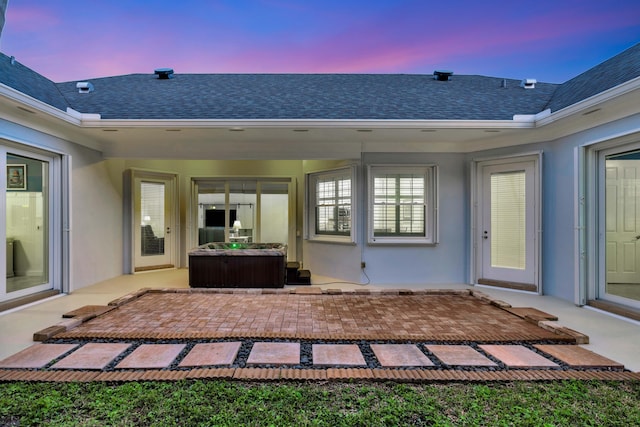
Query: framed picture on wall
(16, 177)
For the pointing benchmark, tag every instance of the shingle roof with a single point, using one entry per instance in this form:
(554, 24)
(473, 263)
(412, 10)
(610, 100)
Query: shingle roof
(307, 96)
(27, 81)
(613, 72)
(318, 96)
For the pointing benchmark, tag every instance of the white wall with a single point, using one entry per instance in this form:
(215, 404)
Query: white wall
(96, 207)
(559, 200)
(446, 262)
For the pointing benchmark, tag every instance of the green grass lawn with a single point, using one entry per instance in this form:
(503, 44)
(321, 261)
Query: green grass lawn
(225, 403)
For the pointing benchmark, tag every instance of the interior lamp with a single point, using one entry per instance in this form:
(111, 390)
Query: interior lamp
(236, 226)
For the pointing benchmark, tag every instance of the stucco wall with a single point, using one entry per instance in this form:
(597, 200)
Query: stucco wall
(96, 207)
(559, 199)
(446, 262)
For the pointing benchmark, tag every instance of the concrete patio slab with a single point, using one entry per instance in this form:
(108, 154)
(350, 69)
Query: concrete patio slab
(211, 354)
(274, 353)
(518, 356)
(459, 355)
(400, 355)
(578, 357)
(36, 356)
(149, 356)
(92, 356)
(337, 355)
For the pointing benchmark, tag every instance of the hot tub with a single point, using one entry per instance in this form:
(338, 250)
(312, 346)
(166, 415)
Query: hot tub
(238, 265)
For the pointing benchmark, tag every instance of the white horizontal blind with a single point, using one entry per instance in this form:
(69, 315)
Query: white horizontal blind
(333, 205)
(152, 211)
(399, 204)
(508, 220)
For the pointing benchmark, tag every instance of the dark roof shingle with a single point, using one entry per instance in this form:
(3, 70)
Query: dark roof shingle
(318, 96)
(307, 96)
(612, 72)
(27, 81)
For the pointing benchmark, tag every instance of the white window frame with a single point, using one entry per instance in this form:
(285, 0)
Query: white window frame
(311, 233)
(430, 174)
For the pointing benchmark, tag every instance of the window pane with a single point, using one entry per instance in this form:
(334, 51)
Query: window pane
(152, 211)
(274, 213)
(27, 223)
(333, 205)
(399, 204)
(508, 220)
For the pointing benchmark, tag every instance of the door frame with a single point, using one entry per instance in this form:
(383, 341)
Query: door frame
(129, 226)
(476, 254)
(59, 227)
(598, 289)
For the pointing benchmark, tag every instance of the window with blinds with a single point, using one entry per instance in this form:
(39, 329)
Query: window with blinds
(331, 204)
(152, 209)
(508, 216)
(403, 204)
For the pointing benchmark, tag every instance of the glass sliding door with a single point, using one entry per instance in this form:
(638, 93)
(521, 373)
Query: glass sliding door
(27, 225)
(242, 207)
(252, 210)
(274, 212)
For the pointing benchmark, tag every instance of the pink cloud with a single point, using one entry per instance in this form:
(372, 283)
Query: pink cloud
(20, 18)
(404, 36)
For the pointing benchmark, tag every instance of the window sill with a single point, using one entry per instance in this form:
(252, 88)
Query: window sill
(332, 239)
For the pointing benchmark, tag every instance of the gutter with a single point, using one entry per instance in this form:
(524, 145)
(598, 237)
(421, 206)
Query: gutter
(587, 104)
(239, 124)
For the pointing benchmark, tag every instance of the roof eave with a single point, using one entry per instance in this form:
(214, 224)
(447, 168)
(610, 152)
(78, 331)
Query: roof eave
(588, 104)
(518, 123)
(34, 105)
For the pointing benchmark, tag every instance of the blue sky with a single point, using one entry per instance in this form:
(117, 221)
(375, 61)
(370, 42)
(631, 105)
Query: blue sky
(549, 40)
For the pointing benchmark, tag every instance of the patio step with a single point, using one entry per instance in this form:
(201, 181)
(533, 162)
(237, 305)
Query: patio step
(295, 276)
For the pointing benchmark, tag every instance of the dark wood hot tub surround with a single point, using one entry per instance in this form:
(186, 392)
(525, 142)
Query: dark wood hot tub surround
(238, 265)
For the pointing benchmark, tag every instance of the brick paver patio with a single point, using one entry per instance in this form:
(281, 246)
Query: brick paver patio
(308, 335)
(453, 316)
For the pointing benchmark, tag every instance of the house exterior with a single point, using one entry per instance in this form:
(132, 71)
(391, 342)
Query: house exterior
(395, 180)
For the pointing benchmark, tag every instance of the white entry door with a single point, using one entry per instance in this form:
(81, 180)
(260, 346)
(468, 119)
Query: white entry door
(154, 237)
(622, 221)
(507, 224)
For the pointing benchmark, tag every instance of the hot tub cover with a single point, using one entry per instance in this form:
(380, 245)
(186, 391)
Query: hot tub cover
(240, 249)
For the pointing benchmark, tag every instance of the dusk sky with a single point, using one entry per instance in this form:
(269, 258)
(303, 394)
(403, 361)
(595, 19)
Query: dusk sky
(549, 40)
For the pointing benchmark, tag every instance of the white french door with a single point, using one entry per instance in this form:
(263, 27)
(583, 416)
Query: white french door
(507, 218)
(154, 218)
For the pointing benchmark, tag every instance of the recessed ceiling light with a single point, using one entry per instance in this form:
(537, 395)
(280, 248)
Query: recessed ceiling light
(595, 110)
(427, 130)
(365, 130)
(492, 130)
(110, 130)
(301, 130)
(173, 130)
(236, 129)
